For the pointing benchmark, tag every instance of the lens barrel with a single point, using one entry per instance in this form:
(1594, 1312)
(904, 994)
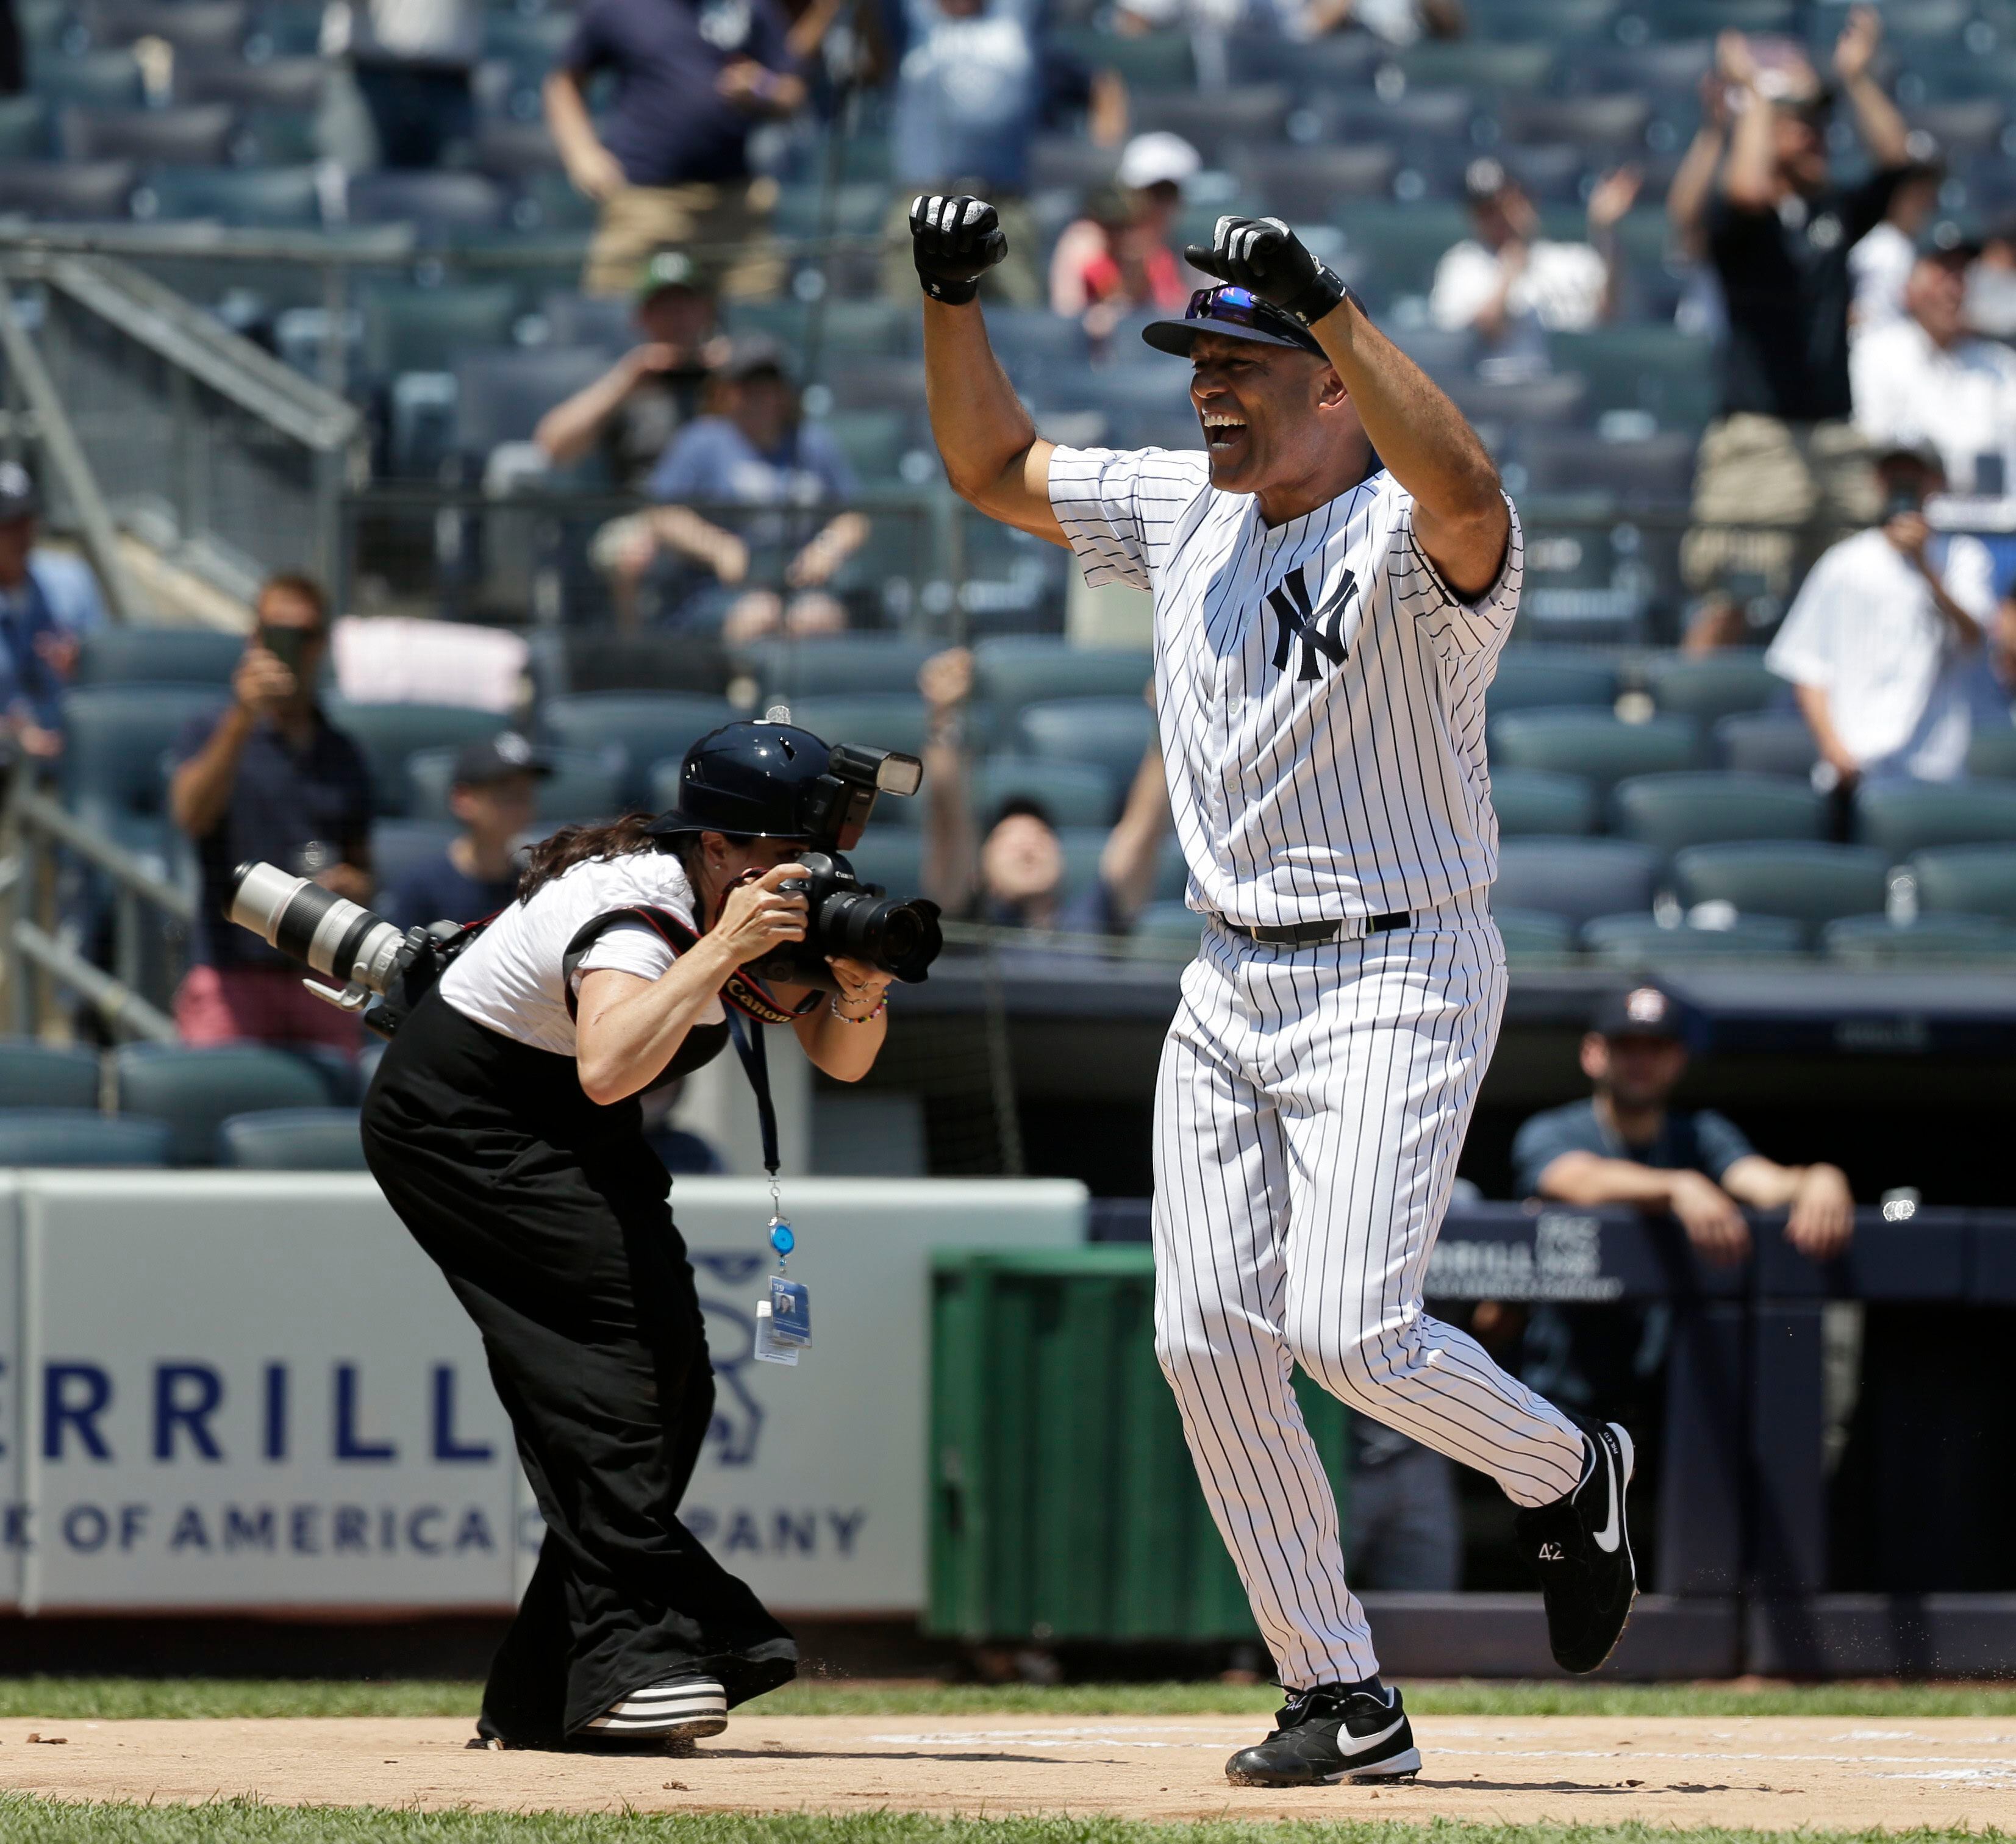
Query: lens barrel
(314, 926)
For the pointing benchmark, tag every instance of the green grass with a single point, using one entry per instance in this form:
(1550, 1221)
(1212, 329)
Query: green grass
(239, 1821)
(81, 1699)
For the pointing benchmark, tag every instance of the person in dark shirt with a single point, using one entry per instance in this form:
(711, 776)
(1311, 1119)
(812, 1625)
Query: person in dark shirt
(1781, 471)
(669, 163)
(494, 794)
(36, 650)
(272, 778)
(1625, 1146)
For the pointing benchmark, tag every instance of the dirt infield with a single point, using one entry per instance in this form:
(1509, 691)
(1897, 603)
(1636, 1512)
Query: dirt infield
(1772, 1773)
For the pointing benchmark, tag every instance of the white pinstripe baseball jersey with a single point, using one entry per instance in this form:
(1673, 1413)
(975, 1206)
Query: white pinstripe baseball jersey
(1320, 688)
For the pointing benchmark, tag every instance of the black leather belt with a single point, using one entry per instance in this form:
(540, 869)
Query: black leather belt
(1310, 935)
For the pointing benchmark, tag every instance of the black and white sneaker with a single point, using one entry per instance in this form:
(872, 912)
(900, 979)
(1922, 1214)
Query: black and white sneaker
(680, 1709)
(1332, 1733)
(1579, 1546)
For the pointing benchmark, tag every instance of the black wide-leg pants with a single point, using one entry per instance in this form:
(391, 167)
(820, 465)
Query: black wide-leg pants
(548, 1215)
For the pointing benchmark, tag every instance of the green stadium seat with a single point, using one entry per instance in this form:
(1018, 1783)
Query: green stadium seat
(1673, 374)
(260, 198)
(389, 734)
(1640, 941)
(1967, 880)
(1709, 687)
(35, 1074)
(1082, 846)
(1547, 22)
(1165, 931)
(643, 728)
(31, 1136)
(1145, 61)
(1398, 246)
(1907, 817)
(1703, 19)
(1804, 881)
(158, 656)
(408, 329)
(1991, 753)
(24, 129)
(585, 784)
(1576, 880)
(844, 663)
(1072, 793)
(1875, 941)
(1477, 64)
(1112, 733)
(1603, 749)
(874, 720)
(874, 441)
(114, 767)
(1014, 670)
(1533, 801)
(1533, 934)
(1547, 677)
(196, 1088)
(1669, 812)
(293, 1140)
(892, 856)
(1766, 742)
(108, 78)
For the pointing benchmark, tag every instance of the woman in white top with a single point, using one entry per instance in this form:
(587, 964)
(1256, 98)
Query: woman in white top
(504, 1127)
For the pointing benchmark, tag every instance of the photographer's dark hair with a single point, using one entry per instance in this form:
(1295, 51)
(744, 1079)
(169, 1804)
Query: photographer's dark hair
(578, 844)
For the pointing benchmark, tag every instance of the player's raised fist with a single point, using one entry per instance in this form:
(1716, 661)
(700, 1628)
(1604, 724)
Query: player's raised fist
(956, 241)
(1263, 255)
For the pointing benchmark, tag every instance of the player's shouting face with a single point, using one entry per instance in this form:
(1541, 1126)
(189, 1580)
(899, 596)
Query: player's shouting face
(1272, 416)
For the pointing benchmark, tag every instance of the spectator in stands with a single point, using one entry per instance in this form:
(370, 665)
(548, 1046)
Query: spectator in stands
(1014, 877)
(270, 779)
(1925, 379)
(1880, 266)
(1116, 259)
(1398, 23)
(414, 64)
(1882, 642)
(1782, 463)
(976, 81)
(1991, 287)
(752, 449)
(494, 795)
(1512, 288)
(1701, 310)
(1626, 1145)
(668, 163)
(37, 649)
(631, 413)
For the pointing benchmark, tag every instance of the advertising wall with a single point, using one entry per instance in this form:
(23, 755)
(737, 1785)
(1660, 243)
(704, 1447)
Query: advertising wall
(237, 1390)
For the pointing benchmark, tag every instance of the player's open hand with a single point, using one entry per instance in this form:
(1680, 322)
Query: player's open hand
(955, 241)
(1264, 255)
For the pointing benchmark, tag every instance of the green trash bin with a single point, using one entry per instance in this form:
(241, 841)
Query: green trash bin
(1063, 1502)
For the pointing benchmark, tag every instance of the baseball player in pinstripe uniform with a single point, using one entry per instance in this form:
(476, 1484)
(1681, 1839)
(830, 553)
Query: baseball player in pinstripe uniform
(1334, 575)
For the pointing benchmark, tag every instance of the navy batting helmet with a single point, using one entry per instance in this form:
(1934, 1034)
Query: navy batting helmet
(751, 781)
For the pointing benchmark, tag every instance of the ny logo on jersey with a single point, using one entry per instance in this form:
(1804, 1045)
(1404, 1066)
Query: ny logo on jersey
(1319, 630)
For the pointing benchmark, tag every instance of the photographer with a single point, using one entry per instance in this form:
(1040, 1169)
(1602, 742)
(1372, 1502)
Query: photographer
(505, 1128)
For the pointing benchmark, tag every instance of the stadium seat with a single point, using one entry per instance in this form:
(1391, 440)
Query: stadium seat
(1669, 812)
(585, 784)
(285, 29)
(158, 656)
(1534, 935)
(1072, 793)
(103, 189)
(842, 665)
(113, 770)
(35, 1074)
(1113, 733)
(258, 198)
(294, 84)
(408, 329)
(1164, 931)
(439, 205)
(1574, 879)
(1991, 752)
(1657, 470)
(1013, 670)
(1216, 121)
(500, 396)
(31, 1136)
(607, 322)
(892, 856)
(1533, 800)
(1603, 749)
(1640, 941)
(1907, 817)
(398, 846)
(568, 660)
(1147, 62)
(1548, 172)
(1559, 397)
(215, 28)
(1709, 687)
(519, 151)
(874, 442)
(1303, 183)
(644, 728)
(1875, 941)
(293, 1140)
(1529, 677)
(1967, 880)
(531, 40)
(24, 129)
(389, 733)
(196, 1088)
(193, 134)
(1766, 742)
(1612, 127)
(1805, 881)
(1510, 70)
(1672, 374)
(876, 720)
(105, 79)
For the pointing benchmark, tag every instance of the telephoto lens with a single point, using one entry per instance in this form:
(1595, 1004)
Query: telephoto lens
(316, 927)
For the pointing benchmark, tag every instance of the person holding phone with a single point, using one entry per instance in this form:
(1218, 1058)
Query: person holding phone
(269, 778)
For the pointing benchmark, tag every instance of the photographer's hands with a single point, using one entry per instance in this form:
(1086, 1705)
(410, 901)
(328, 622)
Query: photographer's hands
(863, 989)
(758, 916)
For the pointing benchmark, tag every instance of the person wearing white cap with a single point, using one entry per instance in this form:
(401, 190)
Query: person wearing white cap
(1116, 258)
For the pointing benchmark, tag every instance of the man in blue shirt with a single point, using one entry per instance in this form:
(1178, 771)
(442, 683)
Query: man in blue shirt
(669, 163)
(36, 648)
(496, 796)
(1624, 1145)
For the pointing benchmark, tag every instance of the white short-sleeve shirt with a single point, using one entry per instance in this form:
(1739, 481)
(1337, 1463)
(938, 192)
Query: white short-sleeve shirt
(1320, 689)
(510, 977)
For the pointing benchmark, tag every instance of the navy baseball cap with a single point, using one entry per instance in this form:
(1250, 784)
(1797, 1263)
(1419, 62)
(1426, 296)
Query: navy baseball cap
(497, 758)
(1235, 313)
(1644, 1011)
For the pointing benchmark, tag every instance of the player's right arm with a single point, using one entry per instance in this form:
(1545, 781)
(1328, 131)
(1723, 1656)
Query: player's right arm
(993, 454)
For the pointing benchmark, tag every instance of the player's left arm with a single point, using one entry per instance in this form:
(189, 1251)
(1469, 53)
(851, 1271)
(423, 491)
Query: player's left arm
(1823, 1208)
(1461, 521)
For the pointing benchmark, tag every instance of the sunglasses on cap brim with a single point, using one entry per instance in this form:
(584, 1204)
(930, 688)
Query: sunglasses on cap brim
(1237, 313)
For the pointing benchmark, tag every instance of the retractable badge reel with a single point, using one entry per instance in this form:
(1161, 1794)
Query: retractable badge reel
(783, 1320)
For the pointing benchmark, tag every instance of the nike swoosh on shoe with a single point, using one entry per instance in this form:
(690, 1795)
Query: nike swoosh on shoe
(1607, 1538)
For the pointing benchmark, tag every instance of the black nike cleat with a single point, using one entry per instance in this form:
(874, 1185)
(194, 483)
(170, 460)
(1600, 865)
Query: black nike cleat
(1579, 1547)
(1332, 1733)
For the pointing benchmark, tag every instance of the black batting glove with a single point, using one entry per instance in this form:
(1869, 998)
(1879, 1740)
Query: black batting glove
(956, 241)
(1263, 255)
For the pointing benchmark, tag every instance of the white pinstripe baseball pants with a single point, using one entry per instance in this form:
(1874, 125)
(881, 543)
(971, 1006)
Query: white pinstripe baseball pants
(1310, 1111)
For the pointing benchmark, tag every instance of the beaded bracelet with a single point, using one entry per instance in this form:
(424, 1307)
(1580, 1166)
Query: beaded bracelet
(881, 1005)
